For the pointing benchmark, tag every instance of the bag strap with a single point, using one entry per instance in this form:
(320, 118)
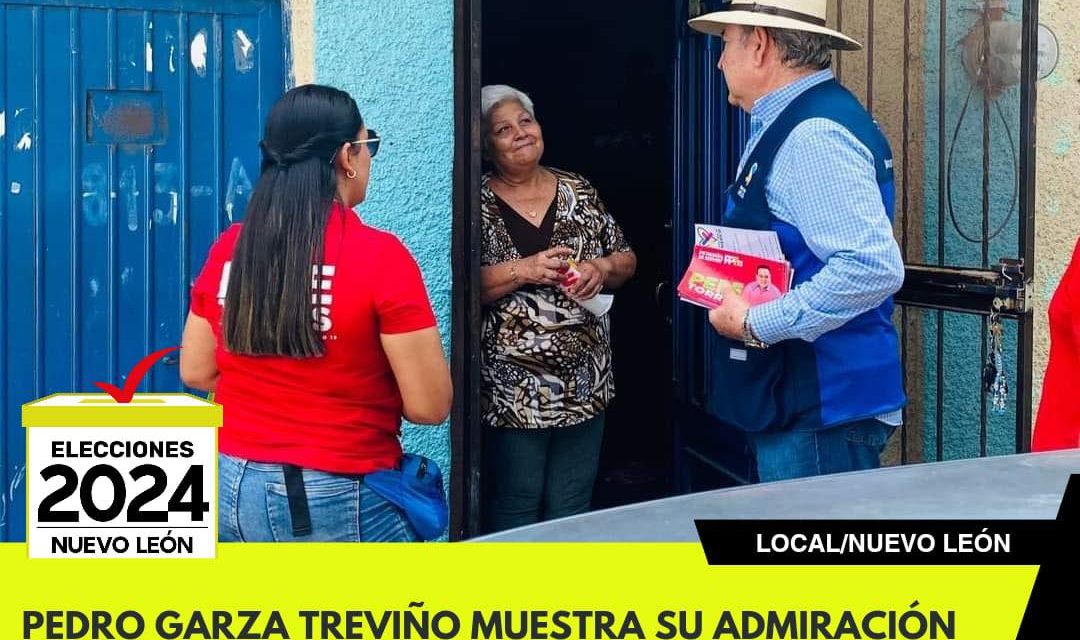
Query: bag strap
(298, 504)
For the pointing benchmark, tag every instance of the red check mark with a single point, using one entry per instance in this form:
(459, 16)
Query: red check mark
(134, 377)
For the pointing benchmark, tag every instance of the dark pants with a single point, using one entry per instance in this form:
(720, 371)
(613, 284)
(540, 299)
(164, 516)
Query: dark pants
(798, 454)
(541, 474)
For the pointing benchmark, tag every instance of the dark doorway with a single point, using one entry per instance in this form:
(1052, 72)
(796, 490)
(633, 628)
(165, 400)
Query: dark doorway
(600, 75)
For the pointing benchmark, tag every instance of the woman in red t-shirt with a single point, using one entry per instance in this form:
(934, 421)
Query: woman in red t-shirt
(1058, 423)
(315, 332)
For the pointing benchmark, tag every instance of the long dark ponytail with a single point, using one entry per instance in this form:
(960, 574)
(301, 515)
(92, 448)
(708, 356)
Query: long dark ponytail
(268, 304)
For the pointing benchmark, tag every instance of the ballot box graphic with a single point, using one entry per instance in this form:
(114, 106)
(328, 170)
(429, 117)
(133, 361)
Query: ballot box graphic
(110, 479)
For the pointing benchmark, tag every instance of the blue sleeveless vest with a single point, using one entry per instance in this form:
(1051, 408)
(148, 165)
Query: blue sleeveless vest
(848, 374)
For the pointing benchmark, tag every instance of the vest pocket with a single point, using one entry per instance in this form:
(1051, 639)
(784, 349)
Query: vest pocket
(746, 389)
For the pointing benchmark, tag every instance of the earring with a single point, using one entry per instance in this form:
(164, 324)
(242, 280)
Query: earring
(350, 174)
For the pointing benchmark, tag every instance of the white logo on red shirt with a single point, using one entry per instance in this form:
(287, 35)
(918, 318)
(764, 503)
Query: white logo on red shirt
(321, 296)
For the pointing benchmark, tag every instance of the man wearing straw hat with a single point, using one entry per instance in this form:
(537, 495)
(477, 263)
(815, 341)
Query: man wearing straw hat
(813, 377)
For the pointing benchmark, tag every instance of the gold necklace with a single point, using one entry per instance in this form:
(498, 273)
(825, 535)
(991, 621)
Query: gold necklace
(529, 212)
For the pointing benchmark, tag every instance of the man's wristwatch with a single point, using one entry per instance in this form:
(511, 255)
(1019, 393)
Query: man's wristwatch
(749, 339)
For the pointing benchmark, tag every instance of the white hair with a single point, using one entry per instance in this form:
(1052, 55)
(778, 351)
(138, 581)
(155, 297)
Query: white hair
(493, 95)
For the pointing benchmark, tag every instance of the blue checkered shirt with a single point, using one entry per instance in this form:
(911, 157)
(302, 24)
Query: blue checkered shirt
(823, 183)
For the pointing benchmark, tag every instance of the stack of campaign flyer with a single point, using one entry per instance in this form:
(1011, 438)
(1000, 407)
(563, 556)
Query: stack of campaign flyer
(750, 261)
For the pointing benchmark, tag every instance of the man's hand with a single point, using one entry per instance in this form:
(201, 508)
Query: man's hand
(728, 318)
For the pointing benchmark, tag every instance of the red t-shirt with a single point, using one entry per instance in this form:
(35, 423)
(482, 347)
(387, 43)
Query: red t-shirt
(1058, 422)
(340, 412)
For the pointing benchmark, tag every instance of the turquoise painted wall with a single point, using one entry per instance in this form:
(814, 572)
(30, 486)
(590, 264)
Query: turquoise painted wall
(396, 59)
(961, 361)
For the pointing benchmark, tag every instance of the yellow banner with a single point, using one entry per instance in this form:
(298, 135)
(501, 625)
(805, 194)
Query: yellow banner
(422, 591)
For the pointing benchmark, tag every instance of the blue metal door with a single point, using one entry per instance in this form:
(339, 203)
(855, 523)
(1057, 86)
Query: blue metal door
(709, 137)
(129, 133)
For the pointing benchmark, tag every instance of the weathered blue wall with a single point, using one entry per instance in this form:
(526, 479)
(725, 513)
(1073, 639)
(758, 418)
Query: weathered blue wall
(103, 227)
(396, 59)
(961, 362)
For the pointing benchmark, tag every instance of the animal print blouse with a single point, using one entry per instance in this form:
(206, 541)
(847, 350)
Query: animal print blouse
(546, 362)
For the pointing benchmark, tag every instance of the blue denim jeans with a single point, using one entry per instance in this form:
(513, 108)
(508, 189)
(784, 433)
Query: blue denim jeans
(798, 454)
(542, 474)
(253, 507)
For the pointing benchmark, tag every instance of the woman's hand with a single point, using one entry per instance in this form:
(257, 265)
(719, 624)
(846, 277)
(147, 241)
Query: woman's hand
(589, 283)
(546, 267)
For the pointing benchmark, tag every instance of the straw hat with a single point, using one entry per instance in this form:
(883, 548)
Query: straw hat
(800, 15)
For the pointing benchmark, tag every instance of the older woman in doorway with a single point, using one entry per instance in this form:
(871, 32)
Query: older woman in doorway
(546, 361)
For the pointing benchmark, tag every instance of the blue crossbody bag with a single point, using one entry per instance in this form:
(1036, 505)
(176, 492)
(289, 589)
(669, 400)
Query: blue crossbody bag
(415, 487)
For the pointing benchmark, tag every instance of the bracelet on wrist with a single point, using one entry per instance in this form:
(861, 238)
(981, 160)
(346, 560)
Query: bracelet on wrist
(513, 274)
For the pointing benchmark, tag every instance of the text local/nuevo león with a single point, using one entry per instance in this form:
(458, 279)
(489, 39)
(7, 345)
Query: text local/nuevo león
(980, 542)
